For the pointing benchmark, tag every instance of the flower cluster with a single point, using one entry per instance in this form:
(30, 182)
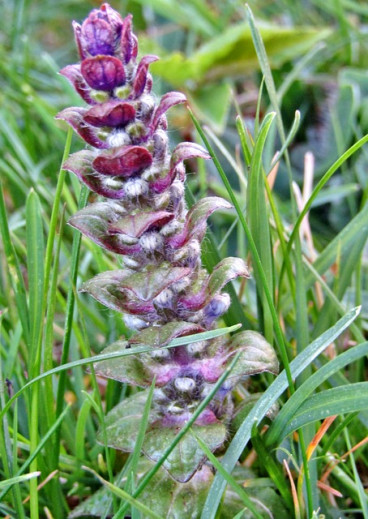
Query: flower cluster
(163, 292)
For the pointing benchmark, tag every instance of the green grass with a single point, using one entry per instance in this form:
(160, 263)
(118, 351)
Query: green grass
(277, 93)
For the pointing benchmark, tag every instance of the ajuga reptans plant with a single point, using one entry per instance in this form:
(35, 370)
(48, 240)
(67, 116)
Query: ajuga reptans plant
(162, 291)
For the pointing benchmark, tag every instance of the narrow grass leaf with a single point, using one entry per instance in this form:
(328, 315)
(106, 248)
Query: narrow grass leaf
(233, 484)
(7, 483)
(338, 400)
(259, 222)
(124, 495)
(13, 265)
(270, 396)
(181, 341)
(300, 396)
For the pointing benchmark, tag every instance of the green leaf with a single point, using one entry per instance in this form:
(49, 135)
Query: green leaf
(259, 220)
(124, 495)
(178, 499)
(35, 269)
(335, 401)
(268, 398)
(232, 52)
(122, 422)
(156, 336)
(187, 456)
(276, 432)
(257, 355)
(211, 103)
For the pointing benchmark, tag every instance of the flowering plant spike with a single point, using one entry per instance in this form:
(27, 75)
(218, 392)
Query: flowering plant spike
(162, 291)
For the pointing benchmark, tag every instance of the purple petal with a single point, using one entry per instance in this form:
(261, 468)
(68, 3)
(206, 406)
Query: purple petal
(80, 164)
(96, 37)
(112, 17)
(167, 101)
(74, 116)
(141, 74)
(112, 114)
(124, 162)
(135, 225)
(74, 76)
(103, 72)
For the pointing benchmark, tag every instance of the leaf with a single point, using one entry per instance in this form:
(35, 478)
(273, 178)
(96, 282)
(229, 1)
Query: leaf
(257, 355)
(138, 370)
(122, 422)
(35, 271)
(133, 293)
(122, 426)
(227, 270)
(187, 456)
(166, 102)
(212, 102)
(123, 162)
(156, 336)
(232, 52)
(135, 225)
(336, 401)
(74, 116)
(95, 221)
(296, 400)
(178, 499)
(80, 163)
(268, 398)
(195, 222)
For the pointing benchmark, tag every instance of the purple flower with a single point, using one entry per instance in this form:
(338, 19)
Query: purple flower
(162, 292)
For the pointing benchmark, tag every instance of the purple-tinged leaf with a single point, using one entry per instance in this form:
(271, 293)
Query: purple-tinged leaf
(96, 37)
(103, 72)
(166, 102)
(127, 42)
(77, 34)
(80, 163)
(136, 224)
(227, 270)
(187, 457)
(187, 150)
(94, 221)
(138, 370)
(124, 162)
(123, 421)
(195, 222)
(112, 114)
(107, 289)
(141, 75)
(156, 336)
(147, 285)
(257, 355)
(74, 76)
(74, 116)
(161, 184)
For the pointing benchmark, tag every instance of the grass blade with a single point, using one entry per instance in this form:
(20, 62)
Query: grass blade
(270, 396)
